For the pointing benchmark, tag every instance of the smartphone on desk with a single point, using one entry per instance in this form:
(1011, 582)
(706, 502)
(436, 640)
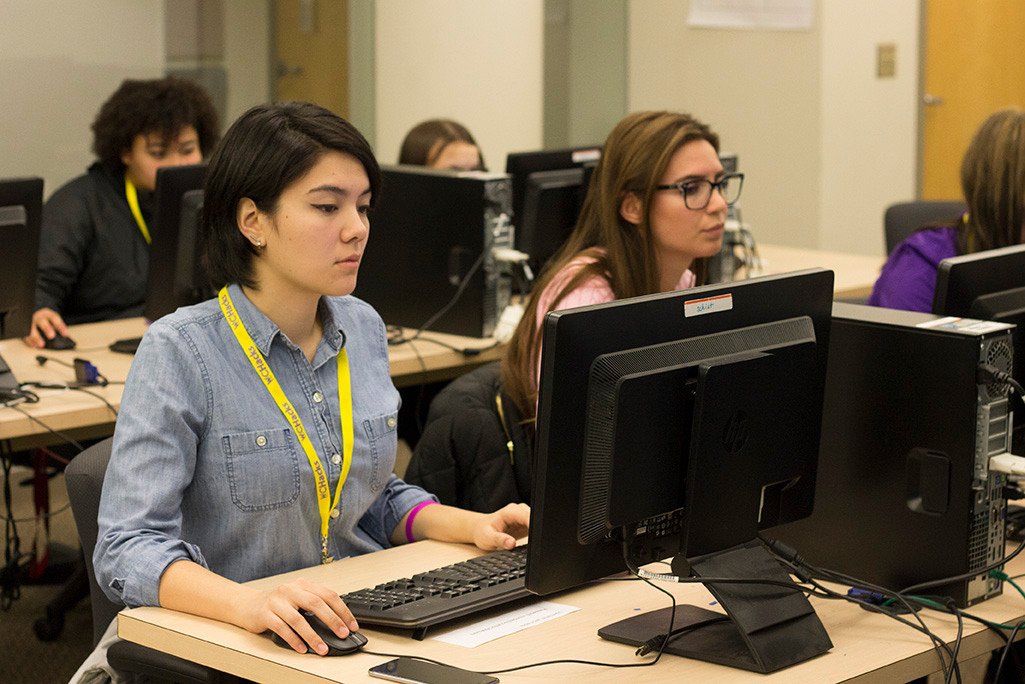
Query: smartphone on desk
(412, 671)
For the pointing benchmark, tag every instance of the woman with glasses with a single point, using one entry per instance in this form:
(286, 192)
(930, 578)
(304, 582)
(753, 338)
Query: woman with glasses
(993, 183)
(654, 212)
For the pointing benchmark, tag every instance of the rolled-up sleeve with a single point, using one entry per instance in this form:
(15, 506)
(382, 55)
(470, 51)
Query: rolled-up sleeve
(162, 418)
(387, 511)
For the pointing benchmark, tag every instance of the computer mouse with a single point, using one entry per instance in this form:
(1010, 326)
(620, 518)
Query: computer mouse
(58, 341)
(336, 646)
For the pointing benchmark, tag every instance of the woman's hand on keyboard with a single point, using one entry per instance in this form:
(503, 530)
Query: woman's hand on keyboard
(489, 531)
(501, 529)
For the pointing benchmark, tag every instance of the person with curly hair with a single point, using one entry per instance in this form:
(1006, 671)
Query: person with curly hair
(94, 247)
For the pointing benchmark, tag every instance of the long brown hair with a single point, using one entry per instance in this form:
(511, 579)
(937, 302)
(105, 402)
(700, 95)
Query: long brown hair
(634, 158)
(993, 183)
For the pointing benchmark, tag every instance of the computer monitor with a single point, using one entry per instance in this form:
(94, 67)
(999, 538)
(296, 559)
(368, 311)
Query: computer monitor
(678, 425)
(432, 261)
(551, 205)
(548, 189)
(176, 276)
(21, 210)
(988, 286)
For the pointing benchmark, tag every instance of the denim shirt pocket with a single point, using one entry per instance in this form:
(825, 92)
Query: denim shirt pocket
(382, 438)
(263, 469)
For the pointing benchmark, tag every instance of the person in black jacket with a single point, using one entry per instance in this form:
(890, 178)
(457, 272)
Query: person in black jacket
(94, 247)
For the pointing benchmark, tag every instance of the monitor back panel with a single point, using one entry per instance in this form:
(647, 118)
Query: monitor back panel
(430, 231)
(904, 494)
(21, 205)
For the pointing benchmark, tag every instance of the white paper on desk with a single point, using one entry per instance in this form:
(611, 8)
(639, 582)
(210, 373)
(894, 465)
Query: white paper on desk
(792, 15)
(506, 623)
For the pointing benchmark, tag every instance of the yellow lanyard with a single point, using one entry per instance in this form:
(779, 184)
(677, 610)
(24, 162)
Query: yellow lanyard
(344, 398)
(133, 204)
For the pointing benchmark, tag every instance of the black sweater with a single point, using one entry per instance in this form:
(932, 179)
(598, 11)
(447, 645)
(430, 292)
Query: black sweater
(93, 259)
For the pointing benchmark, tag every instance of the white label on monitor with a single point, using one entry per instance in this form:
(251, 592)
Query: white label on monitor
(584, 156)
(700, 307)
(968, 325)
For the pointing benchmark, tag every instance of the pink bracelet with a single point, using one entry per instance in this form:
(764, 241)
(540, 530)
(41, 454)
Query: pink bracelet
(412, 515)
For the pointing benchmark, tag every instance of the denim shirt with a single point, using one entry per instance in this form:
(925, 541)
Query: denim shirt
(205, 467)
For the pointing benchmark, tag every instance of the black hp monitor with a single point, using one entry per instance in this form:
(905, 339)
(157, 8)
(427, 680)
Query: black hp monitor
(21, 210)
(676, 426)
(176, 276)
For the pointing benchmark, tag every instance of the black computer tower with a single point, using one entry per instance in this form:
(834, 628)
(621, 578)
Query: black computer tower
(904, 493)
(428, 232)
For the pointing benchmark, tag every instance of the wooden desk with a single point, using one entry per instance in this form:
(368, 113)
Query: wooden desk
(854, 274)
(866, 647)
(88, 417)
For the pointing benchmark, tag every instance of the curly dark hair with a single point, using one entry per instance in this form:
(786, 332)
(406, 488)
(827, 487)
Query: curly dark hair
(164, 106)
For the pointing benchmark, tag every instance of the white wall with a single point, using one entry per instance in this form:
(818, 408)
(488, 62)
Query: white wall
(759, 90)
(824, 144)
(475, 61)
(869, 126)
(59, 60)
(247, 55)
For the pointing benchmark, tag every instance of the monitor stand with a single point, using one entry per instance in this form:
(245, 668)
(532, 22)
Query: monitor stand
(769, 627)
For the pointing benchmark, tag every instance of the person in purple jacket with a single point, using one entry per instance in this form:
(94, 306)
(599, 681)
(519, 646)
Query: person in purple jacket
(993, 183)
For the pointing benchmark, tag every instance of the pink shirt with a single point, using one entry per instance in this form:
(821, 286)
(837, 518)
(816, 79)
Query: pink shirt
(594, 290)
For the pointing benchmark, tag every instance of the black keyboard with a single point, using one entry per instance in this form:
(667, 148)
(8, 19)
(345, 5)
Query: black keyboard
(446, 593)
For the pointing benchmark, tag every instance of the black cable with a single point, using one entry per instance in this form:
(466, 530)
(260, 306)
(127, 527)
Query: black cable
(13, 396)
(957, 641)
(14, 560)
(1007, 649)
(75, 387)
(791, 558)
(916, 588)
(455, 297)
(49, 429)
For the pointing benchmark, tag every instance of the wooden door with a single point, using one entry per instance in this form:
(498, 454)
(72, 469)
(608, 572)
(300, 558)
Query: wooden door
(312, 60)
(974, 65)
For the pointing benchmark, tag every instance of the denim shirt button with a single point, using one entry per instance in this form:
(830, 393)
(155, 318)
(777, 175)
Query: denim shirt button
(261, 441)
(391, 422)
(336, 459)
(318, 397)
(335, 513)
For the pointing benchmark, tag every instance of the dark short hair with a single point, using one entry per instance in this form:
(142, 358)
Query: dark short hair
(425, 141)
(263, 152)
(164, 106)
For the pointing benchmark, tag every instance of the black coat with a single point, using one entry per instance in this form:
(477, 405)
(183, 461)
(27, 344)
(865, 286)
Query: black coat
(475, 452)
(93, 259)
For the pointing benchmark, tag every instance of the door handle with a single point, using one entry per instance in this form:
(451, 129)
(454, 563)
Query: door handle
(932, 100)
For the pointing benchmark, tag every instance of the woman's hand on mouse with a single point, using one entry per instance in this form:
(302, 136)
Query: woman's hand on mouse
(45, 324)
(278, 610)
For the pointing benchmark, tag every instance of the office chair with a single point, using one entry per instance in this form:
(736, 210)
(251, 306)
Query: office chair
(84, 479)
(904, 218)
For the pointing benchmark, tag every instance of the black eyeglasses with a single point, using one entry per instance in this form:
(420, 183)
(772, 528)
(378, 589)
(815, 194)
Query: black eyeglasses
(698, 193)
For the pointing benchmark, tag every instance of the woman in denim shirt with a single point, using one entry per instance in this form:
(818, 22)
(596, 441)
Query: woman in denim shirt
(209, 484)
